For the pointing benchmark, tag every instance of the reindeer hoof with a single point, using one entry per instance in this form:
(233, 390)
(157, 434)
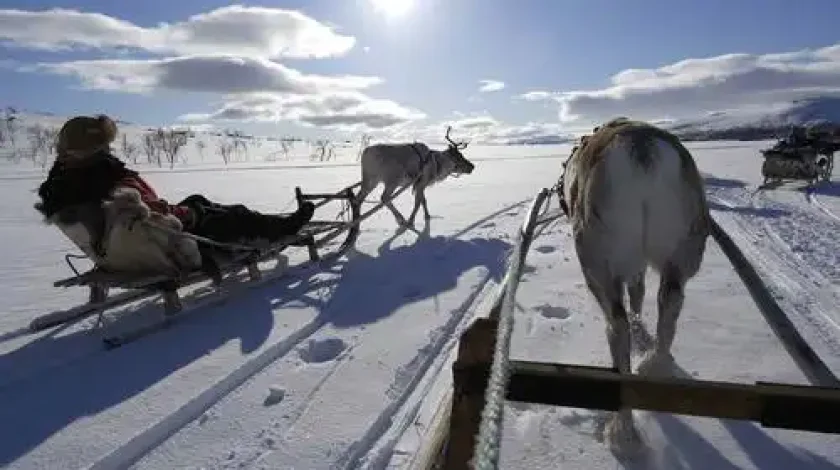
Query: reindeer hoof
(657, 364)
(622, 437)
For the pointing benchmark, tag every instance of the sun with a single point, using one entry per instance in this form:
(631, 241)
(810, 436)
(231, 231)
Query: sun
(393, 8)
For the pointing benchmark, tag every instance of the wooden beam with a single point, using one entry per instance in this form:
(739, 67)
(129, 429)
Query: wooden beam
(475, 348)
(773, 405)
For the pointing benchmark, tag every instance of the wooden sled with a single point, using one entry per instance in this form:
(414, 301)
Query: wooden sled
(315, 235)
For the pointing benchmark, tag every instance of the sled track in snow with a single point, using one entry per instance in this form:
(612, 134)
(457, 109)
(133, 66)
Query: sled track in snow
(812, 198)
(803, 295)
(147, 440)
(808, 234)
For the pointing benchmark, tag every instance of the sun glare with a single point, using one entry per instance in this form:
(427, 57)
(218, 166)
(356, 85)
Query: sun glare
(393, 8)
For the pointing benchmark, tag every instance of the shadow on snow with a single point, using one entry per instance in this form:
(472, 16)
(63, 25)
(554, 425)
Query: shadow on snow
(687, 449)
(826, 188)
(359, 291)
(723, 187)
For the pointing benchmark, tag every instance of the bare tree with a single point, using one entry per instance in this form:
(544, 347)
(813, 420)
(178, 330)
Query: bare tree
(324, 150)
(151, 147)
(42, 142)
(129, 150)
(200, 145)
(171, 142)
(364, 142)
(10, 124)
(240, 145)
(286, 147)
(225, 149)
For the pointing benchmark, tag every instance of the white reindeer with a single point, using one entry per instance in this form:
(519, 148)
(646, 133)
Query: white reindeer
(398, 165)
(635, 198)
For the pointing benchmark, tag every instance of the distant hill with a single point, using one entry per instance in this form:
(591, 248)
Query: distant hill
(821, 112)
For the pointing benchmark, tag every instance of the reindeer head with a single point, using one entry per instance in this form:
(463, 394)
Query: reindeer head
(462, 165)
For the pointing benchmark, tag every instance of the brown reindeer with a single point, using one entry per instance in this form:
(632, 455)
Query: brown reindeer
(635, 199)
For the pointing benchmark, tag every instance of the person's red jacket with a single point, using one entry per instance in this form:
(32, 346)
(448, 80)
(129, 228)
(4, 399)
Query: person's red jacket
(151, 199)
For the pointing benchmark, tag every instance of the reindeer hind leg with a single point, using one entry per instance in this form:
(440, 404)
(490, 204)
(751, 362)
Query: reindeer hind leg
(642, 339)
(619, 431)
(608, 290)
(419, 200)
(674, 274)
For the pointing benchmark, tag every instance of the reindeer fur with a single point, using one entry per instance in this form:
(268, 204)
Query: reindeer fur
(131, 238)
(397, 165)
(635, 199)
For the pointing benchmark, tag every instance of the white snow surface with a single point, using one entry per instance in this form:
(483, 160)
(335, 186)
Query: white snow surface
(341, 367)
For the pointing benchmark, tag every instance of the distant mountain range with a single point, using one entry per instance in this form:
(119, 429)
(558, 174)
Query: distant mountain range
(821, 112)
(763, 124)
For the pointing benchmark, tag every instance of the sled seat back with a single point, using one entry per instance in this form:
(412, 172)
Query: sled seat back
(84, 226)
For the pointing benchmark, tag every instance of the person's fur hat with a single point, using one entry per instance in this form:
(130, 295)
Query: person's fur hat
(83, 136)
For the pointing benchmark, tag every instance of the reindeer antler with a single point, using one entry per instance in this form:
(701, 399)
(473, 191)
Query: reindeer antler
(458, 145)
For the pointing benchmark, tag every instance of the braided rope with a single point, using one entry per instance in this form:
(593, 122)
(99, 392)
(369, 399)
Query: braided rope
(488, 441)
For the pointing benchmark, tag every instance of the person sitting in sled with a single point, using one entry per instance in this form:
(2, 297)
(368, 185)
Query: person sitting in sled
(88, 188)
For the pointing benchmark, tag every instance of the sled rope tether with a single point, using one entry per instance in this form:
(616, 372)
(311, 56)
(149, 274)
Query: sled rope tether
(488, 440)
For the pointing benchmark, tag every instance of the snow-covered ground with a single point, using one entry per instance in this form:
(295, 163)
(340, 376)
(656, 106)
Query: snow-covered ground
(339, 368)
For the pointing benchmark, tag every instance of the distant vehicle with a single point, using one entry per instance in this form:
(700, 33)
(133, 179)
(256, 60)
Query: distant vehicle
(805, 154)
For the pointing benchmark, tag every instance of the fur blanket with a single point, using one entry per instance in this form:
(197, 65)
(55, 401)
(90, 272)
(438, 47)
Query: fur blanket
(133, 239)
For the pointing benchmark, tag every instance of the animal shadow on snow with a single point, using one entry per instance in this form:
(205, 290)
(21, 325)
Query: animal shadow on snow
(716, 182)
(70, 378)
(686, 449)
(378, 285)
(723, 186)
(827, 188)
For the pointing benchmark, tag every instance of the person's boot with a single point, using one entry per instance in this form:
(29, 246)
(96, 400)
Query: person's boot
(280, 226)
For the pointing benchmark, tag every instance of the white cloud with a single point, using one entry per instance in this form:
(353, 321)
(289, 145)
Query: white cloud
(235, 29)
(347, 110)
(539, 95)
(490, 85)
(218, 73)
(696, 86)
(476, 129)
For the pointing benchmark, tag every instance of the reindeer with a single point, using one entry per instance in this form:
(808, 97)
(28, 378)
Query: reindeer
(635, 198)
(398, 165)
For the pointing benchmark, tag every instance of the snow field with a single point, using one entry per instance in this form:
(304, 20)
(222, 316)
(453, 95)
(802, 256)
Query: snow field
(341, 368)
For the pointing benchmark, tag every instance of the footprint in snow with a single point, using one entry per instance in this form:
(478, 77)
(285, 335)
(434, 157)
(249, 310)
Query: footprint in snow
(317, 351)
(526, 270)
(546, 249)
(549, 311)
(489, 225)
(275, 396)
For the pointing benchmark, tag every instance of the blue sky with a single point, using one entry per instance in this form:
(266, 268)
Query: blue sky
(564, 64)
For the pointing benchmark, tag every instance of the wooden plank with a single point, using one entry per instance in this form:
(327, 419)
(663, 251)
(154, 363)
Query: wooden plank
(430, 454)
(474, 350)
(774, 405)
